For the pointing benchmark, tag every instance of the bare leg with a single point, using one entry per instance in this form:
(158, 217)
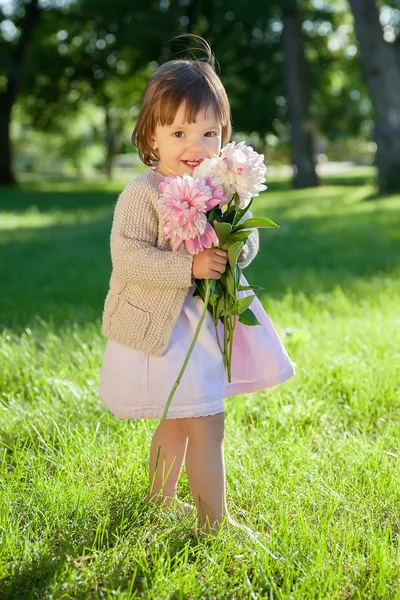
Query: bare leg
(206, 469)
(206, 474)
(166, 464)
(204, 466)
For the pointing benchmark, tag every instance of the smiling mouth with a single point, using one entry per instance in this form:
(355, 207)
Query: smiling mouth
(192, 163)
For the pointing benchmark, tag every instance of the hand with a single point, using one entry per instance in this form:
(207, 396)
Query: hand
(210, 263)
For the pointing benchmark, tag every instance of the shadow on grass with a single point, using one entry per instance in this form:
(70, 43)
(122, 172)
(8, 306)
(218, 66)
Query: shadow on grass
(71, 194)
(58, 273)
(19, 200)
(348, 179)
(129, 520)
(313, 255)
(352, 179)
(61, 272)
(33, 578)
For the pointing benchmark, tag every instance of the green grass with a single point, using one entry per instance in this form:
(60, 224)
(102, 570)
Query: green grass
(314, 463)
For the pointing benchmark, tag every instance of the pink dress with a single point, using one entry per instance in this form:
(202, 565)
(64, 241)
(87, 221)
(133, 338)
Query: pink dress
(137, 385)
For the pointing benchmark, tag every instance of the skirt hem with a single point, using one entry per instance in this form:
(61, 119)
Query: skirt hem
(232, 389)
(149, 412)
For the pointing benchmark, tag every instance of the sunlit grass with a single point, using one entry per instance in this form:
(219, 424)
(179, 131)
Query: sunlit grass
(314, 463)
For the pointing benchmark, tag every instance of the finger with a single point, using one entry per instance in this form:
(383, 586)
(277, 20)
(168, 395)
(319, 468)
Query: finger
(220, 260)
(219, 268)
(220, 252)
(215, 275)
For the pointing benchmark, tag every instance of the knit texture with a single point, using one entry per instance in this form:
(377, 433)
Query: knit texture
(252, 244)
(149, 282)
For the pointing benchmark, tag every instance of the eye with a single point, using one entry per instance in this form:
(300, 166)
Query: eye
(211, 133)
(178, 134)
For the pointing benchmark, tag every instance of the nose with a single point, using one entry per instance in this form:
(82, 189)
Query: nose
(196, 144)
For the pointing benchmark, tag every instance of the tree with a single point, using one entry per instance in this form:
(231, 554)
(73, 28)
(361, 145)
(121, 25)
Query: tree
(381, 67)
(94, 51)
(298, 93)
(248, 46)
(13, 58)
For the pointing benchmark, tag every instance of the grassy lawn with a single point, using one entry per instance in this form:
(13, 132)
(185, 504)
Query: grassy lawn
(313, 463)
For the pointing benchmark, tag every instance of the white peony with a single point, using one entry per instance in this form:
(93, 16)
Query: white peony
(238, 169)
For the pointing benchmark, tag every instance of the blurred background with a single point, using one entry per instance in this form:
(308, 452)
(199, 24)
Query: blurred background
(313, 84)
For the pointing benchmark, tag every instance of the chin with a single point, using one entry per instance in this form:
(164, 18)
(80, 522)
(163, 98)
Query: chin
(187, 169)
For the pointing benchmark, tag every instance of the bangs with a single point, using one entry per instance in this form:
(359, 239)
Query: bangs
(197, 98)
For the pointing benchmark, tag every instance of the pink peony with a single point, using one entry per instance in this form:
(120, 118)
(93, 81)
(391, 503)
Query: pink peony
(239, 169)
(185, 202)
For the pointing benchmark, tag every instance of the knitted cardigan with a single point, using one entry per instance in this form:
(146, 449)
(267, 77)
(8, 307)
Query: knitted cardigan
(149, 282)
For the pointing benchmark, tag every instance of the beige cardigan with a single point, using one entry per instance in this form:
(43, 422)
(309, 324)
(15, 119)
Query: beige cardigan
(149, 282)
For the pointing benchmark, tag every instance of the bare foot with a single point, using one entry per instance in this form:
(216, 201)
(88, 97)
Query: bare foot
(181, 508)
(246, 531)
(238, 531)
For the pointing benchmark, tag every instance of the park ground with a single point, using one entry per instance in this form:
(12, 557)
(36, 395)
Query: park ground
(313, 464)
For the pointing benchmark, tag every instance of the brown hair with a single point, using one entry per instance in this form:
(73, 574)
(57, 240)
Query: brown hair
(194, 82)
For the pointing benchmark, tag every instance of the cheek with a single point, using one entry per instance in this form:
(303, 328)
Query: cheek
(214, 146)
(170, 147)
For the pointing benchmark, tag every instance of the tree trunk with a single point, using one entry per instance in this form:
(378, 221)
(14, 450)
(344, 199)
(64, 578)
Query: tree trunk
(15, 63)
(381, 69)
(295, 71)
(6, 172)
(110, 139)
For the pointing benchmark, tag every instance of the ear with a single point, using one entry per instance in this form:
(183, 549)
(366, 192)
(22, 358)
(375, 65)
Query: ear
(153, 143)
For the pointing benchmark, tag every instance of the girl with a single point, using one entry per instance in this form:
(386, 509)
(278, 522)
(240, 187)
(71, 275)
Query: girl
(150, 314)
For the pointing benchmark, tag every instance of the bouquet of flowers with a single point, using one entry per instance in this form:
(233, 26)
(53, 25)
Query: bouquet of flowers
(208, 210)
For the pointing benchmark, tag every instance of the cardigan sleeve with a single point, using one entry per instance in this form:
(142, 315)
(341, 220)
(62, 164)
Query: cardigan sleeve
(252, 243)
(134, 252)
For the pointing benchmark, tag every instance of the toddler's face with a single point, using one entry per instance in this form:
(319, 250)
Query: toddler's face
(182, 146)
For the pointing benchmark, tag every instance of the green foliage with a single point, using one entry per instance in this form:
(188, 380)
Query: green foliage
(222, 300)
(104, 52)
(259, 222)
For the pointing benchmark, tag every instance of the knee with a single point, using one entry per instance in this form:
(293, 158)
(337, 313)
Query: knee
(172, 431)
(211, 428)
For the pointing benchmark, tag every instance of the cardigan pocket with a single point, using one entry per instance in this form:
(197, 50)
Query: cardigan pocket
(128, 321)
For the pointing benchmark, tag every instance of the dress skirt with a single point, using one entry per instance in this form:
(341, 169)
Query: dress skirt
(137, 385)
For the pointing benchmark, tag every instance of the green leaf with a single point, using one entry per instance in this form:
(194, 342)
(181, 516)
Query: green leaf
(233, 253)
(228, 281)
(244, 303)
(240, 236)
(240, 213)
(238, 272)
(237, 201)
(213, 299)
(249, 287)
(201, 288)
(257, 222)
(249, 318)
(229, 216)
(223, 231)
(213, 286)
(215, 214)
(230, 302)
(219, 310)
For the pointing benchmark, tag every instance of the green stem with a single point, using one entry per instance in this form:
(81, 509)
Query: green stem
(196, 335)
(228, 341)
(217, 336)
(233, 325)
(225, 342)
